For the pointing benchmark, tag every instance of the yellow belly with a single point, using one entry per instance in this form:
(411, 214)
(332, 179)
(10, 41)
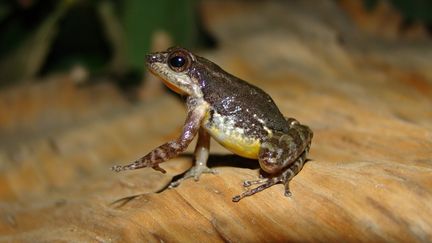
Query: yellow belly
(233, 138)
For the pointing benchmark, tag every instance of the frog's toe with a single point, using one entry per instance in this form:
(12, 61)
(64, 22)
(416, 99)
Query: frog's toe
(263, 184)
(287, 190)
(194, 172)
(174, 184)
(249, 183)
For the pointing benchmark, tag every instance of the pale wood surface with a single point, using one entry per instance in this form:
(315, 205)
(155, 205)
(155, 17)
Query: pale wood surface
(368, 100)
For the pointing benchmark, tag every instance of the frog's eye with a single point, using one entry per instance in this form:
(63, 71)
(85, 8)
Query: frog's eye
(178, 61)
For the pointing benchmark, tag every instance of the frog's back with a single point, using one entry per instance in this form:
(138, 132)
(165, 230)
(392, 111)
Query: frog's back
(244, 105)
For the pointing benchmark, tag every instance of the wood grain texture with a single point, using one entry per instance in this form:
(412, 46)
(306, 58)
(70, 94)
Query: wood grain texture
(368, 101)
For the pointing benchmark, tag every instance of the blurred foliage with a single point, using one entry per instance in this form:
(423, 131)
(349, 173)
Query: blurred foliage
(87, 32)
(4, 10)
(27, 42)
(412, 10)
(80, 40)
(141, 18)
(108, 36)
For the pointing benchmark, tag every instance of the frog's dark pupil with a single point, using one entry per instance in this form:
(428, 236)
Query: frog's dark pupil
(177, 61)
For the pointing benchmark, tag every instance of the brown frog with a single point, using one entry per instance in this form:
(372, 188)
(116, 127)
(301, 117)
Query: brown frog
(240, 116)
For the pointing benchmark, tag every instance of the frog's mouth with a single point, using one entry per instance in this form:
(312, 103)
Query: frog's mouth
(165, 76)
(172, 86)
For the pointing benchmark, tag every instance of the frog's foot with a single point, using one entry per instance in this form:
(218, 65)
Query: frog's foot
(265, 183)
(134, 166)
(249, 183)
(194, 172)
(285, 177)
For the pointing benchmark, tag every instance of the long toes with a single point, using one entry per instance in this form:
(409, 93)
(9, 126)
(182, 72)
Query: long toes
(250, 183)
(213, 171)
(287, 189)
(173, 184)
(156, 167)
(264, 184)
(203, 170)
(206, 170)
(247, 183)
(236, 198)
(195, 173)
(117, 168)
(176, 183)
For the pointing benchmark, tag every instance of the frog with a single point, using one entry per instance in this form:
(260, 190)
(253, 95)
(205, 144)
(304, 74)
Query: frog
(240, 116)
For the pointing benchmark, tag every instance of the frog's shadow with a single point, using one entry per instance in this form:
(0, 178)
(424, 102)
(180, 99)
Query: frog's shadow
(214, 161)
(228, 160)
(232, 160)
(221, 160)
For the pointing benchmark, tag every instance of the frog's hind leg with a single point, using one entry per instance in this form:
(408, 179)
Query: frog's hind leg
(282, 156)
(201, 157)
(285, 177)
(292, 171)
(266, 183)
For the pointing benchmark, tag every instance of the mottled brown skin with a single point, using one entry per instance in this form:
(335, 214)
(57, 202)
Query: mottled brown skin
(240, 116)
(231, 96)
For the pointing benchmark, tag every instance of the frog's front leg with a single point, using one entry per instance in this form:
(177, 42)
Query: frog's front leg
(196, 112)
(201, 157)
(282, 156)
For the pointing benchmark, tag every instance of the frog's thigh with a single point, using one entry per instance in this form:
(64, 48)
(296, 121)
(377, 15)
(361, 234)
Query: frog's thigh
(280, 151)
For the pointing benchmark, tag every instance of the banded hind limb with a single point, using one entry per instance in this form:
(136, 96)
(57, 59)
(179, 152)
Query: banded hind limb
(282, 157)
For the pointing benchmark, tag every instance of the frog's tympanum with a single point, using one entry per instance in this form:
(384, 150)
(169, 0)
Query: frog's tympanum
(241, 117)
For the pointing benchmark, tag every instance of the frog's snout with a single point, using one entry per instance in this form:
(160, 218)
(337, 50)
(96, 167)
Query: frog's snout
(156, 57)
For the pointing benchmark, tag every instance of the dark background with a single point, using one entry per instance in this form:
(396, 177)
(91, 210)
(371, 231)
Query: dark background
(61, 34)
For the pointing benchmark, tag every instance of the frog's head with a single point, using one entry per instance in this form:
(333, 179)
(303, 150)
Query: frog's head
(174, 67)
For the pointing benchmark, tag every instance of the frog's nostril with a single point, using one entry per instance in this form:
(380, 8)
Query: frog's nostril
(151, 58)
